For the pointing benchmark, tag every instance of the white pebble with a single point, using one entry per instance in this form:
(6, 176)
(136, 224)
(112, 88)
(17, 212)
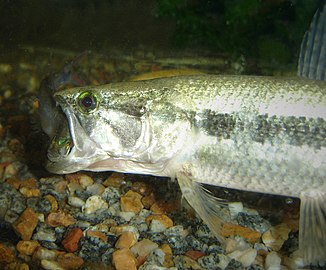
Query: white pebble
(95, 189)
(237, 243)
(51, 265)
(156, 226)
(273, 261)
(93, 204)
(235, 208)
(44, 254)
(127, 216)
(75, 201)
(143, 248)
(246, 257)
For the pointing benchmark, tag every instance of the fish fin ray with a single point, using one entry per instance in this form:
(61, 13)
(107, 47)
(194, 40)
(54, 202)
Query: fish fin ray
(312, 58)
(312, 230)
(206, 205)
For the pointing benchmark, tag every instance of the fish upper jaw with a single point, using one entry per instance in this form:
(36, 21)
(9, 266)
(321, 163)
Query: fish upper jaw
(83, 151)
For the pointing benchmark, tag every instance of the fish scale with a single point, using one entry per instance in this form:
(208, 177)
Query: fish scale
(254, 133)
(241, 132)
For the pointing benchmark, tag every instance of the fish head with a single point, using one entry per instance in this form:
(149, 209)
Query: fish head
(95, 129)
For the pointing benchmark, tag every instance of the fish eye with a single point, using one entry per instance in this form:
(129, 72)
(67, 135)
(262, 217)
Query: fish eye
(87, 102)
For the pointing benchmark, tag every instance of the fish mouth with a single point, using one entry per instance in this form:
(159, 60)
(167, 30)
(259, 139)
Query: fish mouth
(71, 149)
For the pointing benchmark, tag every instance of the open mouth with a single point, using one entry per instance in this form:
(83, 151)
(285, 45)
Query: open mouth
(61, 144)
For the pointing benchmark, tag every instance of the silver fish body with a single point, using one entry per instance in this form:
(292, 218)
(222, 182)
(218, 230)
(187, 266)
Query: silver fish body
(253, 133)
(261, 134)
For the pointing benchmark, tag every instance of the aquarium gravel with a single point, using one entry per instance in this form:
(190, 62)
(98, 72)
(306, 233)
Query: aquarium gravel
(109, 220)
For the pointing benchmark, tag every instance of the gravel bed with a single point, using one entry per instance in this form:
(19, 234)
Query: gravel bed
(114, 221)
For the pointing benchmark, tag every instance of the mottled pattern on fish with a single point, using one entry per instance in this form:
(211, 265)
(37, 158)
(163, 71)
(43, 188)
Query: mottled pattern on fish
(263, 128)
(254, 133)
(261, 134)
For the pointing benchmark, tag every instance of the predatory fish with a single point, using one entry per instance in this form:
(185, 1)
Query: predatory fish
(50, 116)
(261, 134)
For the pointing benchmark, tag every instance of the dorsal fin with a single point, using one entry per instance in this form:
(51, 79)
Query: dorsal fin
(312, 59)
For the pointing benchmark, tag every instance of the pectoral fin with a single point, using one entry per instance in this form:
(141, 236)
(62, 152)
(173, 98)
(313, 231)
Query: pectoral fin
(208, 207)
(312, 230)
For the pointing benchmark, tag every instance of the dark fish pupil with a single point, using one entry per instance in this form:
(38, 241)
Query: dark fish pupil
(87, 102)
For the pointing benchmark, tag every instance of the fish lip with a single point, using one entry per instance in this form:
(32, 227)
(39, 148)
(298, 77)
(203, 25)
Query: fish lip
(73, 122)
(84, 150)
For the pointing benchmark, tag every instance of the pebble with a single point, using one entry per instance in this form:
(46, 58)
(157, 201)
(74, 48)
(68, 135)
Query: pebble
(236, 243)
(85, 180)
(235, 208)
(45, 234)
(30, 192)
(26, 224)
(75, 201)
(275, 237)
(184, 262)
(124, 228)
(73, 188)
(6, 254)
(163, 207)
(97, 234)
(214, 260)
(114, 180)
(168, 260)
(148, 200)
(9, 171)
(95, 189)
(27, 247)
(159, 223)
(131, 202)
(18, 183)
(127, 216)
(194, 254)
(93, 204)
(70, 261)
(70, 242)
(45, 254)
(53, 202)
(142, 188)
(295, 261)
(111, 195)
(80, 178)
(51, 265)
(229, 229)
(17, 266)
(273, 261)
(103, 227)
(143, 248)
(246, 257)
(60, 186)
(126, 240)
(123, 259)
(56, 219)
(154, 260)
(253, 221)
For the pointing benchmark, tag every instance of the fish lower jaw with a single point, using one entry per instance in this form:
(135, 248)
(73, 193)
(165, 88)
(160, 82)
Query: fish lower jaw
(128, 166)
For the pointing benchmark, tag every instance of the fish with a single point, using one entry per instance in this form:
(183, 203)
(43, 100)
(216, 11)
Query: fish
(49, 116)
(253, 133)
